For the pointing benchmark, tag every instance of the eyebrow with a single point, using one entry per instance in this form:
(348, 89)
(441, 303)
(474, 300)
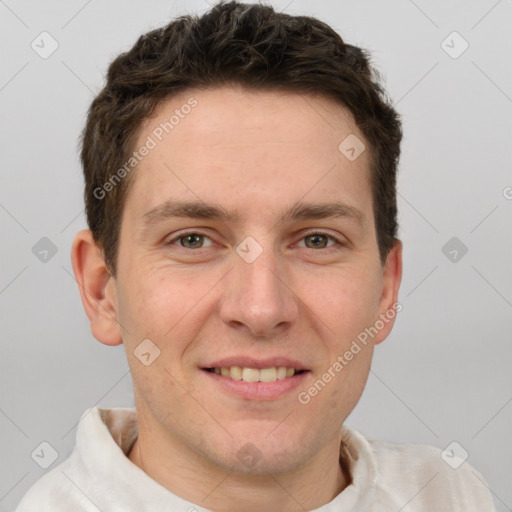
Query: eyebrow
(200, 210)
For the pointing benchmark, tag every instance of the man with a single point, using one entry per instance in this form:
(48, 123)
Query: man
(240, 174)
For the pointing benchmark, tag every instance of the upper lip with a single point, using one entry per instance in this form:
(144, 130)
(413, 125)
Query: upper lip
(252, 362)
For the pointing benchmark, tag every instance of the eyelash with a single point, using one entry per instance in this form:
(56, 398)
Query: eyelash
(339, 242)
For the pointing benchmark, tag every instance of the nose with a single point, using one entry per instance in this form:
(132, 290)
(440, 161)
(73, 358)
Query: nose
(258, 297)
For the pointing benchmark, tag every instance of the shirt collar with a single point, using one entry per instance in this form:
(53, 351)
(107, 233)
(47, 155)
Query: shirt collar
(105, 436)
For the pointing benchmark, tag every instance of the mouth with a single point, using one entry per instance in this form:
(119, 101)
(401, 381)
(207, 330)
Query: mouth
(256, 380)
(247, 374)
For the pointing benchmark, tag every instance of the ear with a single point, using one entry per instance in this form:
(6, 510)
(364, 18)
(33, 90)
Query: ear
(97, 288)
(389, 306)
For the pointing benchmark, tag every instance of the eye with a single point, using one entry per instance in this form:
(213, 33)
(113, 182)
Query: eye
(319, 239)
(196, 239)
(191, 240)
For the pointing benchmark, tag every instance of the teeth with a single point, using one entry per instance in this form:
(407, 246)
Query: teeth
(250, 375)
(235, 372)
(281, 372)
(256, 375)
(268, 375)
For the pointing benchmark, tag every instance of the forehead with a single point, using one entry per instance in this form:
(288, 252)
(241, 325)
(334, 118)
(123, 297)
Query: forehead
(231, 145)
(233, 113)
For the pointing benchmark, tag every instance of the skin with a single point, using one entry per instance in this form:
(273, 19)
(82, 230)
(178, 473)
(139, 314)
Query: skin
(258, 153)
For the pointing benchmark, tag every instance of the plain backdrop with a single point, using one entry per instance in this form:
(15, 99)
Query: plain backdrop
(443, 375)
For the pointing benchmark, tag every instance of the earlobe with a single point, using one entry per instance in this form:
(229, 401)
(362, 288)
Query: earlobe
(389, 304)
(96, 288)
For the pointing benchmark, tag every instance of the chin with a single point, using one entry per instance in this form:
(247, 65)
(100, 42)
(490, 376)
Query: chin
(262, 454)
(254, 462)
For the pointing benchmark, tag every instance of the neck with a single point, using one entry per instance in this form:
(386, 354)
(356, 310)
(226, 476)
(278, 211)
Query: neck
(189, 475)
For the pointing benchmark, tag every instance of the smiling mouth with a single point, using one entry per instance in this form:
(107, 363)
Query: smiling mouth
(246, 374)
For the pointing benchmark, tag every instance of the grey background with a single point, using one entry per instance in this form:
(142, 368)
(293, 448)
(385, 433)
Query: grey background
(444, 373)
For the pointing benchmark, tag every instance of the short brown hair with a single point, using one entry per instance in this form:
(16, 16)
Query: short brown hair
(233, 43)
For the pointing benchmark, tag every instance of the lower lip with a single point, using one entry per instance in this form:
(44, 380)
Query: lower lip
(257, 390)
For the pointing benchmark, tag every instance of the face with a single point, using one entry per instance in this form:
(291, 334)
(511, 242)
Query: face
(251, 297)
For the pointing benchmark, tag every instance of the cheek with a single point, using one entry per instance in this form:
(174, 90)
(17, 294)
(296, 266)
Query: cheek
(347, 388)
(153, 303)
(345, 301)
(334, 394)
(168, 307)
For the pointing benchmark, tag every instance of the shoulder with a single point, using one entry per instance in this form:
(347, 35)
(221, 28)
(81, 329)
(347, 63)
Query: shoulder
(415, 477)
(69, 485)
(56, 491)
(428, 478)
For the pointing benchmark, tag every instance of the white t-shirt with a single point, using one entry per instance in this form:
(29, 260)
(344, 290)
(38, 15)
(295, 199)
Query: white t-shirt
(98, 476)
